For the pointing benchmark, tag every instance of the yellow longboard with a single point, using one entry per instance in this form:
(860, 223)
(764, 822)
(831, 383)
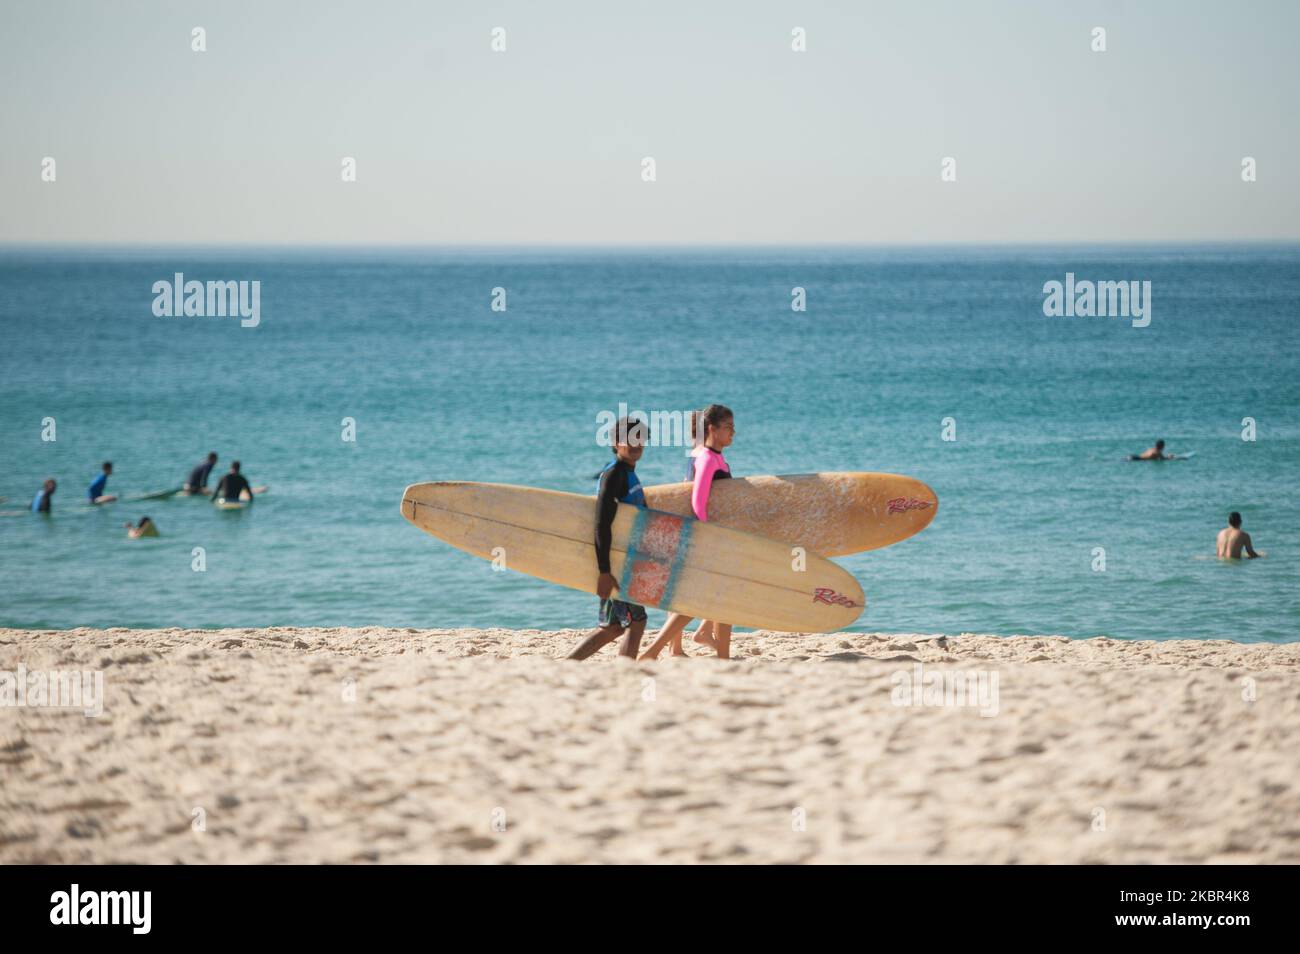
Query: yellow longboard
(831, 514)
(660, 559)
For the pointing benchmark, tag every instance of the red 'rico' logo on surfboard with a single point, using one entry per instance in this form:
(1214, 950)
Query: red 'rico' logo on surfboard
(824, 594)
(904, 504)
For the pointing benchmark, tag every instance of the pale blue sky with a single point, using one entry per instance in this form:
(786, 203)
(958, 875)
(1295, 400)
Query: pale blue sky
(542, 144)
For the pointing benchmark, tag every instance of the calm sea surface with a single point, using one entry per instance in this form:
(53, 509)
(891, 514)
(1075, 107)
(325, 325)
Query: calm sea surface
(440, 386)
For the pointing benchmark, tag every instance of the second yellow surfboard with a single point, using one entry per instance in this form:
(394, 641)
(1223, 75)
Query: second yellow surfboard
(831, 513)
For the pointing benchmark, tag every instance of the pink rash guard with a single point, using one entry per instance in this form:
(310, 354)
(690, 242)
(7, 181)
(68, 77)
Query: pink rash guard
(706, 466)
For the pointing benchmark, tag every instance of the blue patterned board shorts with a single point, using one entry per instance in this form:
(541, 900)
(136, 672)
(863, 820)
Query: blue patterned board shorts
(620, 614)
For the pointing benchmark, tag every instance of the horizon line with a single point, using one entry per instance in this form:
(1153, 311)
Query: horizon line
(645, 246)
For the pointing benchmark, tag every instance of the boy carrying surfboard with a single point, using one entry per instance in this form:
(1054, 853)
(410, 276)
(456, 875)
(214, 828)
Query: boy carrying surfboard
(618, 484)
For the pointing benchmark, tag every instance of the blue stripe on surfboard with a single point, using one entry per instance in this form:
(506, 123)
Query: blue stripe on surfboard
(683, 547)
(633, 545)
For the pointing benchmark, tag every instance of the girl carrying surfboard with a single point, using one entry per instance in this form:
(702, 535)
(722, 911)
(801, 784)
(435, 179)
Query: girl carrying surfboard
(712, 431)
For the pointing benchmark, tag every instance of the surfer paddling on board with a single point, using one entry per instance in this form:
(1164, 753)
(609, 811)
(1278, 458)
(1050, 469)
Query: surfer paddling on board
(1233, 540)
(1151, 453)
(618, 484)
(1156, 453)
(713, 429)
(233, 485)
(95, 492)
(197, 482)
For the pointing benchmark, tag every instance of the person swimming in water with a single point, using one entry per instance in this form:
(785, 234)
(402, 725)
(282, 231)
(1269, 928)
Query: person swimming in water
(95, 492)
(197, 482)
(44, 497)
(233, 485)
(146, 528)
(1232, 540)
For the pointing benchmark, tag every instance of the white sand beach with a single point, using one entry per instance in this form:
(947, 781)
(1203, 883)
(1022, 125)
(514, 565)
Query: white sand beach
(482, 746)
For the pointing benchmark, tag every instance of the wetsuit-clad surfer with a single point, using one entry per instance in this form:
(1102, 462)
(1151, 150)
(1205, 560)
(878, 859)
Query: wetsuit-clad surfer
(710, 465)
(232, 485)
(715, 428)
(197, 482)
(95, 492)
(44, 497)
(618, 484)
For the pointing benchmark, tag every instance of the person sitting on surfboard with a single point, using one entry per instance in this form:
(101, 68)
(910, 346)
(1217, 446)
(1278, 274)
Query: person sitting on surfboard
(618, 484)
(44, 497)
(146, 528)
(95, 492)
(197, 483)
(1232, 540)
(232, 485)
(713, 430)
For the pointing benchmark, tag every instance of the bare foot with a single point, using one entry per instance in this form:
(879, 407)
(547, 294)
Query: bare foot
(705, 638)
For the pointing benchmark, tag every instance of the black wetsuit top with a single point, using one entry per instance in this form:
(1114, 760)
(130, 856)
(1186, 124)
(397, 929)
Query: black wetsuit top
(199, 475)
(231, 486)
(618, 484)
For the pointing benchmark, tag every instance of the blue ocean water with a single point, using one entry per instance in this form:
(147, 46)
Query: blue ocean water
(893, 342)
